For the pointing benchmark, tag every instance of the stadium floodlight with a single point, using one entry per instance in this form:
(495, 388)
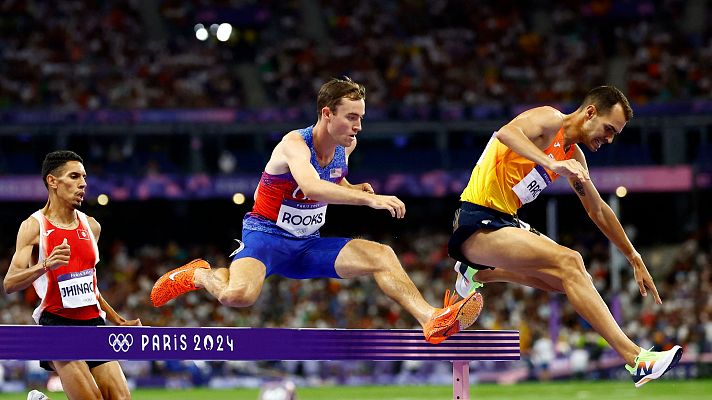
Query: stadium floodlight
(238, 198)
(200, 32)
(224, 31)
(102, 199)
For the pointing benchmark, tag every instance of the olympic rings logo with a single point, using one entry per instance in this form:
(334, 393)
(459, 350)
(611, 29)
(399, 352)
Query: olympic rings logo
(120, 342)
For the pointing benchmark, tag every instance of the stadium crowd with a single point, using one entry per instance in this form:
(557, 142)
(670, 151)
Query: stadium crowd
(84, 55)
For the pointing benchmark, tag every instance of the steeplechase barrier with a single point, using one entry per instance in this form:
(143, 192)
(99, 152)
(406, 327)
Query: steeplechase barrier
(25, 342)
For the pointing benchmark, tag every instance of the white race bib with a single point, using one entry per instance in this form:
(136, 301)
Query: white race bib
(77, 289)
(301, 219)
(532, 185)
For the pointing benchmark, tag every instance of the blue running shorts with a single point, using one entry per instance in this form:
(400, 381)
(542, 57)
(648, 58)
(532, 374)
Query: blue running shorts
(292, 257)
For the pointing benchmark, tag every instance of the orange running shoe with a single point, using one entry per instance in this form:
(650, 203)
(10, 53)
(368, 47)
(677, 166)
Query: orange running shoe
(176, 282)
(453, 317)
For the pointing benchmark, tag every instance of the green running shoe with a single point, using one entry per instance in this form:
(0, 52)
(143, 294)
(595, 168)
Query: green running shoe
(651, 365)
(466, 282)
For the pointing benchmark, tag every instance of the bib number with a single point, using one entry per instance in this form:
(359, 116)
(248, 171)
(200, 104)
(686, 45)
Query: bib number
(301, 219)
(532, 185)
(77, 289)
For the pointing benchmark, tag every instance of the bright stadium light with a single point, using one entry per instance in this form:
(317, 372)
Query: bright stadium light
(200, 32)
(102, 199)
(224, 31)
(238, 198)
(621, 191)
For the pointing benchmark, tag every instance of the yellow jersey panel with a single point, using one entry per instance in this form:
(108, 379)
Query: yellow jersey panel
(503, 180)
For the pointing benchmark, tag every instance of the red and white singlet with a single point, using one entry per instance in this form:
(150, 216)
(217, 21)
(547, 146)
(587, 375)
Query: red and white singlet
(69, 291)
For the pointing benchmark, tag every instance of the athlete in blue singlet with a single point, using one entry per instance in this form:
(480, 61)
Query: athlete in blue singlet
(306, 172)
(282, 213)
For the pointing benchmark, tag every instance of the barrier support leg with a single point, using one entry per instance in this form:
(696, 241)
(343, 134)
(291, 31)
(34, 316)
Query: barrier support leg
(461, 380)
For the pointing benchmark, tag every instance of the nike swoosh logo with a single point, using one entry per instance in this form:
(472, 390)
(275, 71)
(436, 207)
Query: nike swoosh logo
(47, 232)
(446, 312)
(241, 245)
(173, 275)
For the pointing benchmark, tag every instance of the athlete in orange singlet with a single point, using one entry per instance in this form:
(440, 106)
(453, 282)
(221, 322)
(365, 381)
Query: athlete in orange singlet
(520, 160)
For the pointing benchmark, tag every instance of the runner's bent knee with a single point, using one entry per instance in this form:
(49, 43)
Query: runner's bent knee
(365, 257)
(570, 265)
(382, 257)
(240, 296)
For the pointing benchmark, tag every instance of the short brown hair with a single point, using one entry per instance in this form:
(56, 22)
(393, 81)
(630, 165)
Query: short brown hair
(331, 93)
(604, 98)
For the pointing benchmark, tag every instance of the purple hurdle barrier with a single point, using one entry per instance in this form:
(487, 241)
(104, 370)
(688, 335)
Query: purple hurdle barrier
(27, 342)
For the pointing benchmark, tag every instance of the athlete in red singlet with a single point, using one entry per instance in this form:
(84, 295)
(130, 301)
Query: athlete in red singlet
(70, 290)
(62, 271)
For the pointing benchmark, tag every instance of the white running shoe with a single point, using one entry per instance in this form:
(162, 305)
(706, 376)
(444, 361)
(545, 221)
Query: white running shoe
(36, 395)
(466, 282)
(651, 365)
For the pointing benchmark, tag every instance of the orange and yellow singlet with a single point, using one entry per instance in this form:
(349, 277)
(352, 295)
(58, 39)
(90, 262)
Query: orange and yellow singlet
(503, 180)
